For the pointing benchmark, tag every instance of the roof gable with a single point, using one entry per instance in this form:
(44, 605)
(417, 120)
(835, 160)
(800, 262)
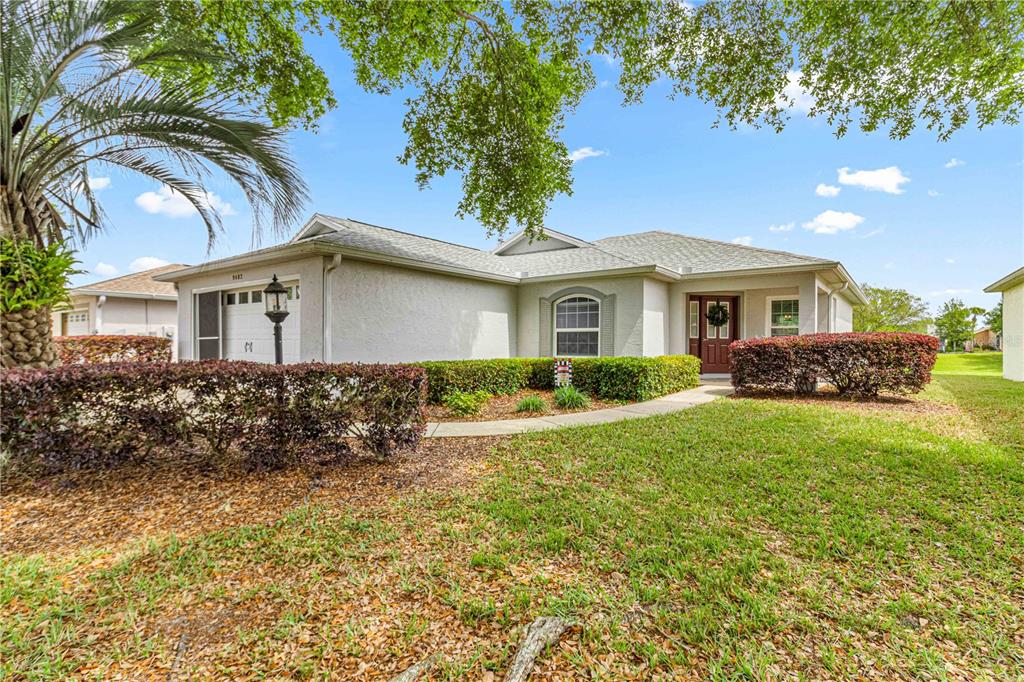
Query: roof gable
(520, 243)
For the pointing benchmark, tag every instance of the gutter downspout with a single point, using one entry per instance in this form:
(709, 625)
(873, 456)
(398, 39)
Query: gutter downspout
(99, 313)
(831, 305)
(328, 294)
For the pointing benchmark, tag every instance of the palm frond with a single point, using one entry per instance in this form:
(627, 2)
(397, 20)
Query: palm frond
(76, 89)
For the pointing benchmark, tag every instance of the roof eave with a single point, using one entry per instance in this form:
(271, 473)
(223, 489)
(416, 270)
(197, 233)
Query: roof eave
(656, 270)
(273, 253)
(853, 287)
(123, 294)
(1011, 280)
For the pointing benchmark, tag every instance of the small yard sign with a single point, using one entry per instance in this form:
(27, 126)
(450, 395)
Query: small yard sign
(563, 372)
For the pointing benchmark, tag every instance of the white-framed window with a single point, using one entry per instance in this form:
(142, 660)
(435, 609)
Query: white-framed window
(783, 316)
(578, 327)
(694, 319)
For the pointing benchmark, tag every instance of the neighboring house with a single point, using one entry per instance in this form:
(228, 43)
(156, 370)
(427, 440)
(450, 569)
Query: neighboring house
(133, 304)
(372, 294)
(986, 338)
(1012, 289)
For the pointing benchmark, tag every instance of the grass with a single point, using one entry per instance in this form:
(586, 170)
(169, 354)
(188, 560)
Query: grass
(743, 539)
(973, 382)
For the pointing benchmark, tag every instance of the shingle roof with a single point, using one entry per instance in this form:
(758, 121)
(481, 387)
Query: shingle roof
(695, 254)
(383, 240)
(668, 250)
(136, 283)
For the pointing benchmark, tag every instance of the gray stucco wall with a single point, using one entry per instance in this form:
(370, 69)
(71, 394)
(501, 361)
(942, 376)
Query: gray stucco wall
(629, 312)
(843, 310)
(381, 313)
(1013, 333)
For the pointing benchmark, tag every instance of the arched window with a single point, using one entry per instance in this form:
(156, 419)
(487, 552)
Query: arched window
(578, 327)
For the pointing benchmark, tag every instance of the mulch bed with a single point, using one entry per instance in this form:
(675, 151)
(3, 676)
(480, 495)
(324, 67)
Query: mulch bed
(187, 496)
(888, 403)
(504, 407)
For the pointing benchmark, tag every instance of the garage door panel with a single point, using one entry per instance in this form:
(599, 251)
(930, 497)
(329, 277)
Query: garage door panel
(249, 335)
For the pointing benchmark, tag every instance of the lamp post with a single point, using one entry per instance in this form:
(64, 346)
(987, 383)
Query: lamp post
(275, 296)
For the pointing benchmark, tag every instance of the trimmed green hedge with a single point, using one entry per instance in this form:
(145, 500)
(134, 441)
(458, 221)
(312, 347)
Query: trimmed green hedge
(620, 378)
(635, 379)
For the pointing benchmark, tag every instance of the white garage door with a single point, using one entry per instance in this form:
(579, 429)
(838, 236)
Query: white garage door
(248, 334)
(76, 323)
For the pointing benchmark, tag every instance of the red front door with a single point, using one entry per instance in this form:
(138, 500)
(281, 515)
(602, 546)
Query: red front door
(711, 343)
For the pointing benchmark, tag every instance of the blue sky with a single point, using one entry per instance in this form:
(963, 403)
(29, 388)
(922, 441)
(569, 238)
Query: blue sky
(940, 219)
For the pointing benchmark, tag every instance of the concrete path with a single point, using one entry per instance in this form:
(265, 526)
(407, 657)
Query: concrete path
(705, 393)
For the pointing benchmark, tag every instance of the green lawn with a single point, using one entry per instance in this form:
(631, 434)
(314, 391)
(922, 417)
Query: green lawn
(744, 539)
(973, 382)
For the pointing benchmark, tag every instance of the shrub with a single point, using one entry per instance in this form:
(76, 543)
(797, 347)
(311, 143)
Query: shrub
(104, 415)
(570, 398)
(465, 403)
(622, 378)
(862, 364)
(531, 403)
(636, 379)
(498, 377)
(107, 348)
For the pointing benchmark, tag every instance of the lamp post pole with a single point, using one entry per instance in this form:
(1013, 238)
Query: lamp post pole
(275, 297)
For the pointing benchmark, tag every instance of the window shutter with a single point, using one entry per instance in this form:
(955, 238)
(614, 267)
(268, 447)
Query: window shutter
(608, 326)
(545, 328)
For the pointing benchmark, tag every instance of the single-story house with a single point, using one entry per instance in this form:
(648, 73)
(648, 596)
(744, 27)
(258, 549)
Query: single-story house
(1012, 289)
(132, 304)
(360, 292)
(986, 337)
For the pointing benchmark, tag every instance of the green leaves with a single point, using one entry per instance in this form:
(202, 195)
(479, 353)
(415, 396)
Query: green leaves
(84, 96)
(891, 310)
(31, 277)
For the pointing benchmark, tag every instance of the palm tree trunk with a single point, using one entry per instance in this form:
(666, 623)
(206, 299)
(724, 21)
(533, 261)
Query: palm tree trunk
(26, 335)
(27, 339)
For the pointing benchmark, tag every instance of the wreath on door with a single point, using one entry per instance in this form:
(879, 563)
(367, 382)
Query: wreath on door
(717, 315)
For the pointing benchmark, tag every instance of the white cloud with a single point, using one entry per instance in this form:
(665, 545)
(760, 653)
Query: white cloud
(796, 97)
(954, 162)
(873, 233)
(951, 260)
(784, 227)
(933, 193)
(949, 292)
(585, 153)
(880, 180)
(743, 241)
(96, 184)
(170, 202)
(146, 263)
(105, 269)
(823, 190)
(833, 222)
(890, 265)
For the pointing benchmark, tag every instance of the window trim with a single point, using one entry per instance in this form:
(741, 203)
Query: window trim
(555, 329)
(768, 312)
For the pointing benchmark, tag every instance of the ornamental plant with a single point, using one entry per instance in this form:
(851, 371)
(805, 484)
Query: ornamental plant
(859, 364)
(112, 348)
(571, 398)
(466, 403)
(78, 92)
(268, 416)
(532, 403)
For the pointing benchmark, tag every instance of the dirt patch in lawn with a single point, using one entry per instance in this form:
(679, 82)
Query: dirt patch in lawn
(105, 509)
(504, 407)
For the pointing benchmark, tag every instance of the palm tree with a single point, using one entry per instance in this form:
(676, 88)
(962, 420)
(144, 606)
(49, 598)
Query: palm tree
(77, 91)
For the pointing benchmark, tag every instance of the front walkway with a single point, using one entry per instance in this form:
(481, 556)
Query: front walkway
(705, 393)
